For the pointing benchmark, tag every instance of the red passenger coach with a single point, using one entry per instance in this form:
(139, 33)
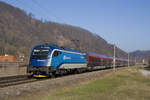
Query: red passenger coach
(99, 60)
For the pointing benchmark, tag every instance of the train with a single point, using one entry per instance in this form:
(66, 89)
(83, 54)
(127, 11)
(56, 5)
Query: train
(48, 60)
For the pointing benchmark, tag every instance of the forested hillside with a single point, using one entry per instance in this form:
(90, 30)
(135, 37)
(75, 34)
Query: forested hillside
(19, 32)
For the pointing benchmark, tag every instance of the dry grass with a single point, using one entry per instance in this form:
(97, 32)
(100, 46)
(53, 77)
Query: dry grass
(125, 85)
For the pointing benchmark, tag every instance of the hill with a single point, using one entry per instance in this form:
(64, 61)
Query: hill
(140, 54)
(19, 32)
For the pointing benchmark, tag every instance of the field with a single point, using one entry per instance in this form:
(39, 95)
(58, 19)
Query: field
(128, 84)
(123, 84)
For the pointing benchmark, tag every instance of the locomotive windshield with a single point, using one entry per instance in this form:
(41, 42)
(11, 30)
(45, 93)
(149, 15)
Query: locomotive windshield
(40, 53)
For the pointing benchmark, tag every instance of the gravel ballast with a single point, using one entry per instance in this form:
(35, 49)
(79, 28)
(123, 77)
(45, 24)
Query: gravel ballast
(49, 84)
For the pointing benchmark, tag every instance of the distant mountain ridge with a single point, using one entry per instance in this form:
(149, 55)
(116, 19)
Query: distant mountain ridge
(139, 54)
(19, 32)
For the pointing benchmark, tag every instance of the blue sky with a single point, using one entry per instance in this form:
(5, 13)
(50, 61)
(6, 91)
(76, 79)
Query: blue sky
(123, 22)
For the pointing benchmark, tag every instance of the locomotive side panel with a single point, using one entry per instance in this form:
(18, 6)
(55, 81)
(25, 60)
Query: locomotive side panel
(68, 60)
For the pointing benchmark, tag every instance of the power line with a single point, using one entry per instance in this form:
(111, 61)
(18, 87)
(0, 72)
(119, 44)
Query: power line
(43, 10)
(46, 10)
(29, 6)
(11, 2)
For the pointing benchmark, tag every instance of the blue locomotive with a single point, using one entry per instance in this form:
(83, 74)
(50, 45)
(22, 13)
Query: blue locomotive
(47, 60)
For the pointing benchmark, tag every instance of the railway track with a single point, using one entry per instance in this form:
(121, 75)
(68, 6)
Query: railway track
(15, 80)
(19, 79)
(22, 79)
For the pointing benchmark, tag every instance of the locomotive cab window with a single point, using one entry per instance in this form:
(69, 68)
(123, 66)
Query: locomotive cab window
(40, 53)
(56, 53)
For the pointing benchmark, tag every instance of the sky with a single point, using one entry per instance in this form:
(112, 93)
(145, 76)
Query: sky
(125, 23)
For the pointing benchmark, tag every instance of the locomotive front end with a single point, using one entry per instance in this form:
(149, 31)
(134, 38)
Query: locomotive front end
(39, 64)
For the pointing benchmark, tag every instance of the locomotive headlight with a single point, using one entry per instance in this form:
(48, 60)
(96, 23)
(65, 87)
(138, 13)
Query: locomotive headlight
(82, 57)
(48, 62)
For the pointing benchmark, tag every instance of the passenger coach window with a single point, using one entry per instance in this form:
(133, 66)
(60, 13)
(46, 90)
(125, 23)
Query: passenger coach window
(56, 53)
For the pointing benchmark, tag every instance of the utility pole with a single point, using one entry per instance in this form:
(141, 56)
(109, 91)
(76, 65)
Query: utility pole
(114, 60)
(128, 60)
(135, 60)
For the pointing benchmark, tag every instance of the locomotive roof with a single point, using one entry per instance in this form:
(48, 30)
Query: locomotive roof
(55, 47)
(72, 50)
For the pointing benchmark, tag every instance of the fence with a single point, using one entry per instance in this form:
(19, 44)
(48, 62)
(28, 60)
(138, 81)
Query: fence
(12, 68)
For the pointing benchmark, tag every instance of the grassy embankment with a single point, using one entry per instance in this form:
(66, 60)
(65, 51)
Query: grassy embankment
(128, 84)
